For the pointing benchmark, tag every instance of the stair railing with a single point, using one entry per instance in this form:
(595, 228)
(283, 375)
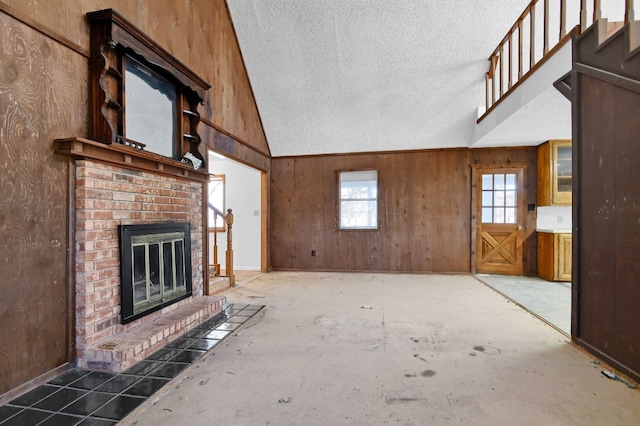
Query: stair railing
(228, 219)
(538, 33)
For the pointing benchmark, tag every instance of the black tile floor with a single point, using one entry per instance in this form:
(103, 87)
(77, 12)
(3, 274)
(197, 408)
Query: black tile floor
(93, 398)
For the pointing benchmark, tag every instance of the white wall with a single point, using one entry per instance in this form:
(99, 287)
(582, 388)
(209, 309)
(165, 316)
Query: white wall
(242, 195)
(554, 218)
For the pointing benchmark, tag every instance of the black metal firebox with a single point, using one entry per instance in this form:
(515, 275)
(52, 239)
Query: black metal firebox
(155, 267)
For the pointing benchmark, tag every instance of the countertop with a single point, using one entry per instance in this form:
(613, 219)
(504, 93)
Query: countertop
(555, 231)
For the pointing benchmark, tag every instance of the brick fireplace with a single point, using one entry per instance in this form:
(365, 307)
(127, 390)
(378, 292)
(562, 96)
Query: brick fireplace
(107, 195)
(143, 164)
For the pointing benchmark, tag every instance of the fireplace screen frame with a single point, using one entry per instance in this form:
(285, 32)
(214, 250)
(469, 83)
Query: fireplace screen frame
(144, 236)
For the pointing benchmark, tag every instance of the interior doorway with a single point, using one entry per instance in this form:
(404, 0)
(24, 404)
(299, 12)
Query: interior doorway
(501, 222)
(237, 187)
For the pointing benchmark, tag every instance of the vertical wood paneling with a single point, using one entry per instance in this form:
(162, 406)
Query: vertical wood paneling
(606, 226)
(43, 96)
(425, 211)
(208, 46)
(197, 32)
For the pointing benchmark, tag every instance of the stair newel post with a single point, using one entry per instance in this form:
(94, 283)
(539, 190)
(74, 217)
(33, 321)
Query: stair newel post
(229, 254)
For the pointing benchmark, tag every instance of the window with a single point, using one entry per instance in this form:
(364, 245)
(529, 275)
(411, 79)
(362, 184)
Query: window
(358, 207)
(499, 198)
(216, 201)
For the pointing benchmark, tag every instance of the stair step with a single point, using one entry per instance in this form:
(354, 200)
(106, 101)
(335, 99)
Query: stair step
(634, 38)
(607, 31)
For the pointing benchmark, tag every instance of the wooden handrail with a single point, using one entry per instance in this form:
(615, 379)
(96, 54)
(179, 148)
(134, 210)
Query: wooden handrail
(525, 26)
(215, 210)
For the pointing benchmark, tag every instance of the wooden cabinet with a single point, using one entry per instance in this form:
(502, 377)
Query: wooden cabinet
(554, 256)
(554, 173)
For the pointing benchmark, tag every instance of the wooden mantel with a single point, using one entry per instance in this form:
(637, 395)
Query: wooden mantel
(126, 156)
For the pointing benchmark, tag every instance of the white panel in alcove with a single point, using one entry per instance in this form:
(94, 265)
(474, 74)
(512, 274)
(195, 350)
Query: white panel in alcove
(243, 196)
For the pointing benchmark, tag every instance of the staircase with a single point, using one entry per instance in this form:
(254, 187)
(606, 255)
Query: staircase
(605, 90)
(522, 108)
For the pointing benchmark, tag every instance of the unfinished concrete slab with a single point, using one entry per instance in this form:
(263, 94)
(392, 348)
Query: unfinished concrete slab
(359, 349)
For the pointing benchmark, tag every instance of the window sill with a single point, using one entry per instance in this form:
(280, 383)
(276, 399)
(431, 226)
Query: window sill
(121, 155)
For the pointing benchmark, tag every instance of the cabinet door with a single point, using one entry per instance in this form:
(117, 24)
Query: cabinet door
(561, 172)
(564, 248)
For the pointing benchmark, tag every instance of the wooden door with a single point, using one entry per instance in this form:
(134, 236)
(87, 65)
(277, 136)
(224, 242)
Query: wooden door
(500, 217)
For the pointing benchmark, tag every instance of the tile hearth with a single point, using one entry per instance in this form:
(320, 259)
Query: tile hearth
(84, 397)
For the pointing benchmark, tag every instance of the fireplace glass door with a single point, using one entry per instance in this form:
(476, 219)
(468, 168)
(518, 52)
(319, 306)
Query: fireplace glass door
(155, 267)
(158, 269)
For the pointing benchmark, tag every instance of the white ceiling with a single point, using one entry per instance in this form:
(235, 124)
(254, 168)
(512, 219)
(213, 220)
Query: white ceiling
(336, 76)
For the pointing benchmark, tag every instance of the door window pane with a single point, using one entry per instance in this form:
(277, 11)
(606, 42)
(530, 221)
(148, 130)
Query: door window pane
(487, 181)
(487, 198)
(487, 215)
(499, 198)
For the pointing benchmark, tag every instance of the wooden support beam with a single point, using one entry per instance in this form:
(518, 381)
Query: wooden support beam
(229, 253)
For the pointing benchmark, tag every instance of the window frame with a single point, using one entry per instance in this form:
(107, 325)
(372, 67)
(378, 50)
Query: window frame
(339, 175)
(215, 227)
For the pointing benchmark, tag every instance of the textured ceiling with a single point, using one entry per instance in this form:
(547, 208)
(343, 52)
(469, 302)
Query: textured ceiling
(335, 76)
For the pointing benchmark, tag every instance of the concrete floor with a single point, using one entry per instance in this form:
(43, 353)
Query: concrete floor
(375, 349)
(549, 301)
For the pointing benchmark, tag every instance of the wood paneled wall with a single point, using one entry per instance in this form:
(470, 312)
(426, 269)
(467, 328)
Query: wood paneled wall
(44, 74)
(424, 207)
(43, 96)
(197, 32)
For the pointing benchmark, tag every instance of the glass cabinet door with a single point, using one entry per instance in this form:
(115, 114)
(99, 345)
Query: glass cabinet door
(561, 172)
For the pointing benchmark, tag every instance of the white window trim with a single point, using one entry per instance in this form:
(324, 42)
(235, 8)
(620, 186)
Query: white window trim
(358, 176)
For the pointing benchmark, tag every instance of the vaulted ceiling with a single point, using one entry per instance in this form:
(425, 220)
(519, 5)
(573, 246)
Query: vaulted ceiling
(338, 76)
